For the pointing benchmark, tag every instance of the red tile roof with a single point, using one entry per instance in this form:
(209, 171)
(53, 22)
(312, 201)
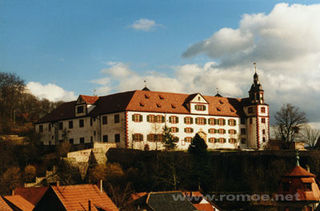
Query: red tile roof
(148, 101)
(32, 194)
(298, 171)
(75, 197)
(204, 207)
(4, 206)
(19, 202)
(89, 99)
(135, 196)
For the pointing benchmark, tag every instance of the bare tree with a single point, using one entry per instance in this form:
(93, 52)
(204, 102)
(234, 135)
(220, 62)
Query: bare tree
(289, 121)
(309, 135)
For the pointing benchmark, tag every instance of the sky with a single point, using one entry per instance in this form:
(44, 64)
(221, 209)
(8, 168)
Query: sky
(66, 48)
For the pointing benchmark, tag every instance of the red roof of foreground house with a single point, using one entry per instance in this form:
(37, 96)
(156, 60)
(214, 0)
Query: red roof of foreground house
(204, 207)
(148, 101)
(75, 197)
(31, 194)
(298, 171)
(89, 99)
(19, 202)
(4, 206)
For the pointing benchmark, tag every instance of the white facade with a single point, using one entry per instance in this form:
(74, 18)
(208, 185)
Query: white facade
(136, 120)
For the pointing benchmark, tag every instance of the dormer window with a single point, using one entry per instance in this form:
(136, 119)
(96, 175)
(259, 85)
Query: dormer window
(158, 105)
(141, 104)
(220, 101)
(200, 107)
(161, 97)
(80, 109)
(146, 96)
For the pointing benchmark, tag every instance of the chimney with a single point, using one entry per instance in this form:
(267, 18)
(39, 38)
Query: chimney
(101, 185)
(13, 192)
(89, 205)
(58, 183)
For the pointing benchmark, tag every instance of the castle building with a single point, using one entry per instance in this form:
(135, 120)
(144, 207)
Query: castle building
(135, 119)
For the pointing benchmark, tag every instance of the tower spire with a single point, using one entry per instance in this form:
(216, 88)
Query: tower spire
(297, 158)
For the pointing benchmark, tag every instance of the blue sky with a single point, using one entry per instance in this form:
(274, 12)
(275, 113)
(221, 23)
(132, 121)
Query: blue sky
(68, 42)
(65, 48)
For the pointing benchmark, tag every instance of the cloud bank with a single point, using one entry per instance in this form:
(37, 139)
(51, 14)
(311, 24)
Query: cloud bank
(285, 43)
(50, 91)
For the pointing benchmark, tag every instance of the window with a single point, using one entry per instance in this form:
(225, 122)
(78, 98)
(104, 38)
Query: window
(263, 120)
(90, 121)
(137, 137)
(243, 141)
(151, 118)
(70, 124)
(232, 140)
(116, 118)
(231, 122)
(243, 131)
(49, 127)
(188, 130)
(173, 119)
(71, 140)
(201, 121)
(154, 137)
(264, 139)
(91, 139)
(137, 118)
(82, 140)
(200, 107)
(211, 130)
(232, 131)
(216, 140)
(60, 125)
(80, 109)
(307, 186)
(117, 138)
(188, 120)
(250, 110)
(81, 122)
(222, 140)
(40, 128)
(263, 110)
(174, 130)
(221, 122)
(243, 121)
(211, 140)
(250, 120)
(159, 119)
(105, 138)
(222, 131)
(211, 121)
(104, 120)
(263, 131)
(188, 139)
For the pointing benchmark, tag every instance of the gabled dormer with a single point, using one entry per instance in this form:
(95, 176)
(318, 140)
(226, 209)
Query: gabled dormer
(85, 104)
(197, 104)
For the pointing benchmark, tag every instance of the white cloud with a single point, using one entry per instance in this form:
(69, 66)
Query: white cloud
(144, 24)
(50, 91)
(285, 44)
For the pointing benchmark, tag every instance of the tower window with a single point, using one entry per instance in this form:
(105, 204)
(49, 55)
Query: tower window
(243, 131)
(263, 110)
(263, 120)
(250, 110)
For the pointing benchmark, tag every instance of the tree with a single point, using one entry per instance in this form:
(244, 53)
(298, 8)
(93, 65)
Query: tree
(30, 173)
(169, 141)
(289, 121)
(11, 179)
(198, 145)
(310, 135)
(11, 89)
